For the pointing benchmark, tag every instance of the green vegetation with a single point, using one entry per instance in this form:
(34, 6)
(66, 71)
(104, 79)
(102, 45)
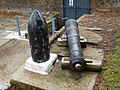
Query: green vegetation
(111, 77)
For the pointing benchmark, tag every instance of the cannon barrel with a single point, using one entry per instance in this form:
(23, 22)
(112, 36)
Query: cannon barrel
(38, 37)
(77, 62)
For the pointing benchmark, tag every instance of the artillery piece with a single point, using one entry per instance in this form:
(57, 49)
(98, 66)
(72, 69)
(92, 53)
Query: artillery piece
(76, 62)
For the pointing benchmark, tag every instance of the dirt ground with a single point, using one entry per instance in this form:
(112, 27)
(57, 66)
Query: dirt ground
(110, 23)
(8, 20)
(7, 14)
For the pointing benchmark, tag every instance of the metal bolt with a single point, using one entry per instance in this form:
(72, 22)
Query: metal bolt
(78, 66)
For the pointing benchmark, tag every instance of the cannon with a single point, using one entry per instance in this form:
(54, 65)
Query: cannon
(77, 62)
(38, 37)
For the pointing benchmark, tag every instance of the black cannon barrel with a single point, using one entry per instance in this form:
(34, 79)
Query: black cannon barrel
(38, 37)
(77, 62)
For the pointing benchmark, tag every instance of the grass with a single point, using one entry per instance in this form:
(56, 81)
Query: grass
(110, 79)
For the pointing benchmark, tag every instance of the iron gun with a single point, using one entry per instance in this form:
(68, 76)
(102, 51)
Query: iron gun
(77, 62)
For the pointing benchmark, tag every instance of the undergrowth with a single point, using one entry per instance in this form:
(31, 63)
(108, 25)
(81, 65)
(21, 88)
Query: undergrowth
(110, 80)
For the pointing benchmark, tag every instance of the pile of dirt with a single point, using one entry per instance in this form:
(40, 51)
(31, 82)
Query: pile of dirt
(8, 14)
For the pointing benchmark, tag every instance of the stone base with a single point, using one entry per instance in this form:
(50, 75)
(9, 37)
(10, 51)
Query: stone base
(40, 68)
(58, 79)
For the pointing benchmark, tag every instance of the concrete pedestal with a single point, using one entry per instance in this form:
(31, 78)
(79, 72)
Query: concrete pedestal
(40, 68)
(57, 79)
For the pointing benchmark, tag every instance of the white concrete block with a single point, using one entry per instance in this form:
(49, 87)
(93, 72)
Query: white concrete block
(40, 68)
(14, 35)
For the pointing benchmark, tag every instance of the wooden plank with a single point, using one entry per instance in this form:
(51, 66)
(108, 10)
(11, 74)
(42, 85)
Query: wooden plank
(93, 28)
(91, 65)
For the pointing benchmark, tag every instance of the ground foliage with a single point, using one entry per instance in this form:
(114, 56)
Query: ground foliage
(110, 77)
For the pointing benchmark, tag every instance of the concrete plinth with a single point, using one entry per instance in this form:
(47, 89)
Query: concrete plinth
(57, 79)
(40, 68)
